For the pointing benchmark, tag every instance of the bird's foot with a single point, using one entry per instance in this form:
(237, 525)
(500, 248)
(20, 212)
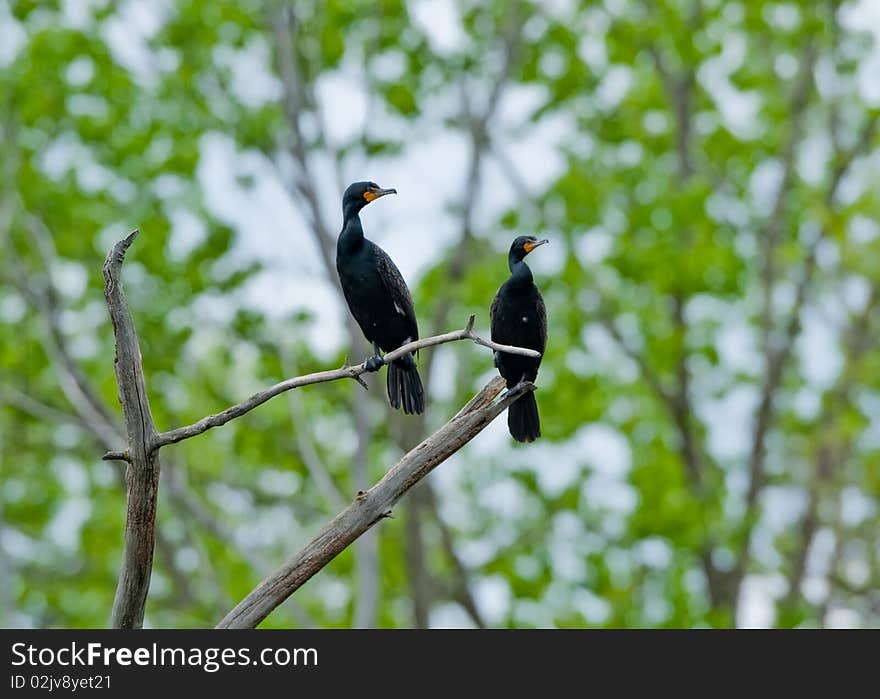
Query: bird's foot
(508, 390)
(374, 363)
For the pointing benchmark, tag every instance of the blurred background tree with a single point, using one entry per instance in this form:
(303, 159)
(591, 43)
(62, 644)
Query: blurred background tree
(707, 172)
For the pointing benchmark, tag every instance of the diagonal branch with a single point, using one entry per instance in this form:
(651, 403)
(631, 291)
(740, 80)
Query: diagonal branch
(298, 98)
(461, 588)
(682, 405)
(772, 231)
(778, 361)
(832, 450)
(647, 371)
(142, 473)
(43, 296)
(348, 372)
(373, 505)
(283, 28)
(318, 472)
(43, 412)
(144, 442)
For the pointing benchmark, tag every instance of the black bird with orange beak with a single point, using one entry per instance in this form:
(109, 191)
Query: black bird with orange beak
(378, 298)
(519, 318)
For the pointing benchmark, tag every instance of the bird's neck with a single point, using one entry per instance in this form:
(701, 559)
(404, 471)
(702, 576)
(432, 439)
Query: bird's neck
(520, 274)
(352, 236)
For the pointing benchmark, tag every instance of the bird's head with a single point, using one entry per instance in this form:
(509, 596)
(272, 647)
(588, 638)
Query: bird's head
(523, 245)
(359, 194)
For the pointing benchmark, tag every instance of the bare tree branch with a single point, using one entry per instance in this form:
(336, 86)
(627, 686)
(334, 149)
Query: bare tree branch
(349, 372)
(680, 87)
(297, 99)
(366, 548)
(778, 361)
(372, 506)
(180, 495)
(142, 473)
(682, 406)
(283, 27)
(680, 90)
(418, 577)
(772, 231)
(461, 588)
(319, 473)
(423, 500)
(7, 565)
(35, 408)
(167, 551)
(649, 375)
(44, 298)
(831, 451)
(90, 411)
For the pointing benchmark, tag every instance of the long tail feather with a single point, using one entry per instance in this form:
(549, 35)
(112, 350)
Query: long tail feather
(405, 386)
(523, 420)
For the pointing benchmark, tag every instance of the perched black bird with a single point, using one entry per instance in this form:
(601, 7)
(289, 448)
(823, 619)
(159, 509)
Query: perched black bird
(378, 298)
(519, 318)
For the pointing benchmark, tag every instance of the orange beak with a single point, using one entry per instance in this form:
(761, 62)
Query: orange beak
(531, 246)
(373, 194)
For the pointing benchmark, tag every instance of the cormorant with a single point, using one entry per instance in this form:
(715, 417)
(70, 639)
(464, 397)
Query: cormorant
(519, 318)
(378, 298)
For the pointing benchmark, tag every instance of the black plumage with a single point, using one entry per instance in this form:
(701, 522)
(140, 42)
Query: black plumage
(519, 318)
(378, 298)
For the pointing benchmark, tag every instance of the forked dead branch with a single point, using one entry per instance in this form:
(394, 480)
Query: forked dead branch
(143, 467)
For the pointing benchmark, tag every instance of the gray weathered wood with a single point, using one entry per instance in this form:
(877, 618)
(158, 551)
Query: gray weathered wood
(142, 471)
(144, 442)
(373, 505)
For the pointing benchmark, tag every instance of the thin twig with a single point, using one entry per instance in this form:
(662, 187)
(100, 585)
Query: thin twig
(772, 231)
(349, 372)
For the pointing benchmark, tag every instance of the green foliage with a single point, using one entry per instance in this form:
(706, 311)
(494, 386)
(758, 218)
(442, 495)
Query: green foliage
(676, 121)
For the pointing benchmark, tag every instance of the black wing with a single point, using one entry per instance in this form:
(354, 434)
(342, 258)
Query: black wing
(397, 289)
(541, 313)
(493, 314)
(493, 311)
